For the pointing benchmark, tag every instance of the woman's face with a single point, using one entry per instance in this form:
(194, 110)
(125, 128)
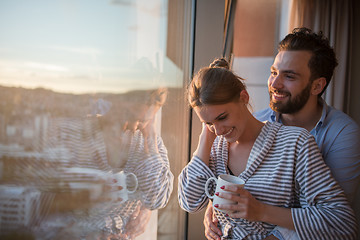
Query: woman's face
(141, 115)
(228, 120)
(133, 117)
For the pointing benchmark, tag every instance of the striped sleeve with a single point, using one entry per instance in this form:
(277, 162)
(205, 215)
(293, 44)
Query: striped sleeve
(325, 212)
(191, 186)
(155, 178)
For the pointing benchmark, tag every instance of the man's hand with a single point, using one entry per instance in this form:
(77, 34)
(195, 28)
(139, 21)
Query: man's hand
(212, 232)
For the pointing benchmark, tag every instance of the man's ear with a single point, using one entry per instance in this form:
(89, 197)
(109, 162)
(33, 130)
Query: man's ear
(318, 85)
(244, 96)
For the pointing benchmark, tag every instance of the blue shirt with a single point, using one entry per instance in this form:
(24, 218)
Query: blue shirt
(338, 138)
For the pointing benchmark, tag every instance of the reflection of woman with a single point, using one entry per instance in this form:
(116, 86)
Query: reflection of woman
(137, 145)
(122, 137)
(287, 182)
(145, 155)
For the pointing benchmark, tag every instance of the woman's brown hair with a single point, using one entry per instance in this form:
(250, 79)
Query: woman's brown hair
(215, 85)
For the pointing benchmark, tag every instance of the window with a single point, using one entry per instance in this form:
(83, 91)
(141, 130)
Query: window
(91, 93)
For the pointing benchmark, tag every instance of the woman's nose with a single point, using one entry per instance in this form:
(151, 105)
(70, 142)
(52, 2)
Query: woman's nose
(217, 129)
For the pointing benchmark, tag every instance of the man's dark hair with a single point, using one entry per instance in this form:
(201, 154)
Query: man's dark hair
(323, 60)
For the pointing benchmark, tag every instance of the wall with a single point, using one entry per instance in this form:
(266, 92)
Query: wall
(255, 38)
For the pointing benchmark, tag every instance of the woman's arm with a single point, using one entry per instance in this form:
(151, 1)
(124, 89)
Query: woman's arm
(191, 186)
(324, 212)
(206, 140)
(154, 176)
(248, 207)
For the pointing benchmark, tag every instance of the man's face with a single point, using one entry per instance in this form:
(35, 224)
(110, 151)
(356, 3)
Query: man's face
(289, 82)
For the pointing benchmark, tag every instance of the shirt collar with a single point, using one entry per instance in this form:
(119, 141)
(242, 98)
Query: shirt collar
(275, 117)
(318, 125)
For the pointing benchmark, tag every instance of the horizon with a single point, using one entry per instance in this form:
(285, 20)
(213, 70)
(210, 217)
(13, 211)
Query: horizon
(85, 46)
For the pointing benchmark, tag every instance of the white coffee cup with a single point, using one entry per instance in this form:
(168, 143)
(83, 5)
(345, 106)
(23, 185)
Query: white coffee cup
(222, 180)
(120, 180)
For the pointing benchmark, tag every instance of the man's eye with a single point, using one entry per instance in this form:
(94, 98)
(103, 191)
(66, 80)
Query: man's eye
(289, 76)
(273, 73)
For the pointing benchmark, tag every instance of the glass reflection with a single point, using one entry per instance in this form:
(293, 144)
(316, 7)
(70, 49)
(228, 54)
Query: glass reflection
(94, 175)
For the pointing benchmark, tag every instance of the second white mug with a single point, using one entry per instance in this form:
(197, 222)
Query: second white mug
(120, 179)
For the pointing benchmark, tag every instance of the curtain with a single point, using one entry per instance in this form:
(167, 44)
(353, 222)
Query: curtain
(230, 6)
(334, 19)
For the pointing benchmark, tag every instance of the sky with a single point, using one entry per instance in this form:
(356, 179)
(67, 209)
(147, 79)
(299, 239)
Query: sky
(85, 46)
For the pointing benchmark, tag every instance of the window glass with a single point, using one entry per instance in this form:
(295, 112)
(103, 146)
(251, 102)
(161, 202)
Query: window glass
(92, 118)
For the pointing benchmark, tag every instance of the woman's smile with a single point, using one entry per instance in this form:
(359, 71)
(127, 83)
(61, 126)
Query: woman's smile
(228, 132)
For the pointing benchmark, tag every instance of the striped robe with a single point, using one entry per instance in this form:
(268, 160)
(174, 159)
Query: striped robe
(83, 146)
(284, 169)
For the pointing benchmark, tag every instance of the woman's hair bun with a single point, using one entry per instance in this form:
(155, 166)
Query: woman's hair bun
(220, 63)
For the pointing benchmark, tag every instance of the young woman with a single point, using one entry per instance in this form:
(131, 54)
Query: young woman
(287, 183)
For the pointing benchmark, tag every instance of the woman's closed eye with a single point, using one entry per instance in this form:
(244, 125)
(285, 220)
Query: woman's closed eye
(222, 117)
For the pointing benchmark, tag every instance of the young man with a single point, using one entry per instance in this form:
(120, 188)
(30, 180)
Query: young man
(299, 75)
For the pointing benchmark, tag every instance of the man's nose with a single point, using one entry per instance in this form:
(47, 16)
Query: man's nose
(276, 82)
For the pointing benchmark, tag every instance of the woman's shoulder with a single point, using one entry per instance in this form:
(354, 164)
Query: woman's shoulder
(292, 137)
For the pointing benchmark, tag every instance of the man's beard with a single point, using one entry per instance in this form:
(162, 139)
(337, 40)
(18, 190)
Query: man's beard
(294, 104)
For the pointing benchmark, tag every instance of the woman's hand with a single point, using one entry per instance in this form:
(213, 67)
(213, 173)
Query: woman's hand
(206, 140)
(142, 118)
(207, 133)
(149, 132)
(212, 232)
(246, 207)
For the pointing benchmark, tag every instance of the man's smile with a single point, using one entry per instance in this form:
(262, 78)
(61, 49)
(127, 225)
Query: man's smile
(276, 95)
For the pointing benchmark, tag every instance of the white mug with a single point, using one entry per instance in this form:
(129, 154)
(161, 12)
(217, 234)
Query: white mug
(120, 180)
(222, 180)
